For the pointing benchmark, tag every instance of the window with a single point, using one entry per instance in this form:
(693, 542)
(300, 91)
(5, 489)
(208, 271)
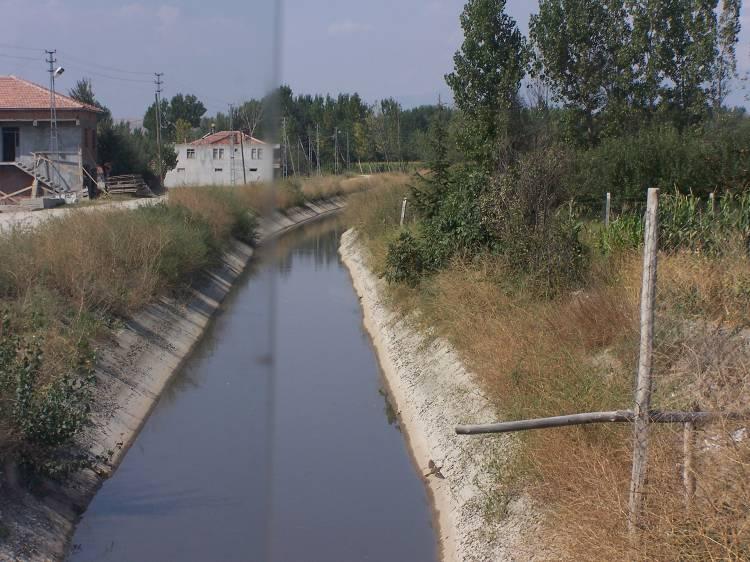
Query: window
(252, 169)
(190, 153)
(260, 154)
(218, 153)
(254, 154)
(218, 169)
(180, 170)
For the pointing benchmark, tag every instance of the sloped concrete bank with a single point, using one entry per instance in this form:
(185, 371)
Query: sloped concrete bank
(132, 372)
(433, 392)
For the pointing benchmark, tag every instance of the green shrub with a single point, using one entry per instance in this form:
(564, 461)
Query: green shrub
(45, 414)
(700, 160)
(404, 261)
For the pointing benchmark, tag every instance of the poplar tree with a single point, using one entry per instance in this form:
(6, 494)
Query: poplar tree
(487, 74)
(582, 51)
(683, 42)
(725, 65)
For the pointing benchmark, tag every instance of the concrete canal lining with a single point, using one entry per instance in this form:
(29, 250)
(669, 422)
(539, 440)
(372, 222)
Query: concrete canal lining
(132, 372)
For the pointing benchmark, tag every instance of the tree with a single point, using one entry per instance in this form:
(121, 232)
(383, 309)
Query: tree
(682, 38)
(487, 74)
(149, 121)
(182, 131)
(186, 107)
(429, 195)
(581, 51)
(725, 65)
(83, 92)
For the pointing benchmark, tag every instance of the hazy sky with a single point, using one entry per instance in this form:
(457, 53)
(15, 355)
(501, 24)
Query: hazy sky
(223, 50)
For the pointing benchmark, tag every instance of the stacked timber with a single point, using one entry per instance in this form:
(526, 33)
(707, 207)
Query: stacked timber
(132, 184)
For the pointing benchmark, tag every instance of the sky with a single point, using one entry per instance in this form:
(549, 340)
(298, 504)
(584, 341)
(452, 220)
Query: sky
(224, 51)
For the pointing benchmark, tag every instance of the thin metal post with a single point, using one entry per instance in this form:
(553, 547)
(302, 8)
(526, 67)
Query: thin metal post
(644, 384)
(403, 211)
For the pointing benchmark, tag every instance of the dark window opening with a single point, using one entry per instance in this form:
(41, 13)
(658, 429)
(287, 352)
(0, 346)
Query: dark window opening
(11, 140)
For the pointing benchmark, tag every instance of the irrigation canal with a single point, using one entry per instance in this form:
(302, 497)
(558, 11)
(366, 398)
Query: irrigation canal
(276, 441)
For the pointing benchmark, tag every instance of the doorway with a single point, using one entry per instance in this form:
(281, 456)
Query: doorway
(11, 137)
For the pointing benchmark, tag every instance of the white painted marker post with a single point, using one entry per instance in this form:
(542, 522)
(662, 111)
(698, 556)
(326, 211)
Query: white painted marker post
(403, 211)
(607, 207)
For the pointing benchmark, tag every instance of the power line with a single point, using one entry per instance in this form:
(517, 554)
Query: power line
(105, 67)
(19, 47)
(98, 75)
(18, 57)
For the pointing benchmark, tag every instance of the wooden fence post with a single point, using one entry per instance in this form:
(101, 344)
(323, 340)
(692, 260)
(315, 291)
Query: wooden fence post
(712, 202)
(607, 208)
(403, 211)
(643, 385)
(688, 470)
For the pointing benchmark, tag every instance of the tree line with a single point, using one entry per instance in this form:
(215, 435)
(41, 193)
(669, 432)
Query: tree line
(335, 132)
(620, 96)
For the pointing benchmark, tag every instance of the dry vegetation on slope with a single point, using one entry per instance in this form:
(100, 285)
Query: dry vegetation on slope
(577, 352)
(67, 283)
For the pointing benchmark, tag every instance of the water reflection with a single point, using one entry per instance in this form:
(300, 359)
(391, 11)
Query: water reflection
(286, 456)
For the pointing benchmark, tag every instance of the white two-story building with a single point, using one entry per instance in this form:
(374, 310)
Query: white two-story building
(223, 158)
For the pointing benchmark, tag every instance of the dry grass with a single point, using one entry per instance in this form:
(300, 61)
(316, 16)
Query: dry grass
(66, 282)
(577, 353)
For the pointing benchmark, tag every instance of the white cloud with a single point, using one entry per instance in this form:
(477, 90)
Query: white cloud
(347, 27)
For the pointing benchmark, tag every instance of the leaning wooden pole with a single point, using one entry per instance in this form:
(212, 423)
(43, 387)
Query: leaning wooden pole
(644, 384)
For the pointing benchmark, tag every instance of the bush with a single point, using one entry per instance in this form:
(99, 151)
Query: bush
(404, 261)
(538, 238)
(698, 161)
(45, 414)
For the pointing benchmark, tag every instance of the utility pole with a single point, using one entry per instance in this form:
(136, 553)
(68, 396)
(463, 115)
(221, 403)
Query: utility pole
(232, 172)
(159, 83)
(284, 167)
(336, 150)
(317, 154)
(398, 133)
(309, 152)
(242, 151)
(54, 143)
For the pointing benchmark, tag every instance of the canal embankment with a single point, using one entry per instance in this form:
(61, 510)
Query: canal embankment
(132, 370)
(433, 392)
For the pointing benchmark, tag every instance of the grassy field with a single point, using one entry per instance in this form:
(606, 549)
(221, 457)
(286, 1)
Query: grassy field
(577, 352)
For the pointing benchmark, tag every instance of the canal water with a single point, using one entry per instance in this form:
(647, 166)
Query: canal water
(276, 441)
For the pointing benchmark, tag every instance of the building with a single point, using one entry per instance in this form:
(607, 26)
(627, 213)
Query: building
(25, 126)
(223, 158)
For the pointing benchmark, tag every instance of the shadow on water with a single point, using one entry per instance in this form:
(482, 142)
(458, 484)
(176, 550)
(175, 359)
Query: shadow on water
(276, 441)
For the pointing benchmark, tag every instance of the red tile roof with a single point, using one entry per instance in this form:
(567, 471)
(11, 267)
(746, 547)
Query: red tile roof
(224, 137)
(16, 93)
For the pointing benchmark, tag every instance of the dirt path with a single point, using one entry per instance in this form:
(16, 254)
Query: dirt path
(31, 219)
